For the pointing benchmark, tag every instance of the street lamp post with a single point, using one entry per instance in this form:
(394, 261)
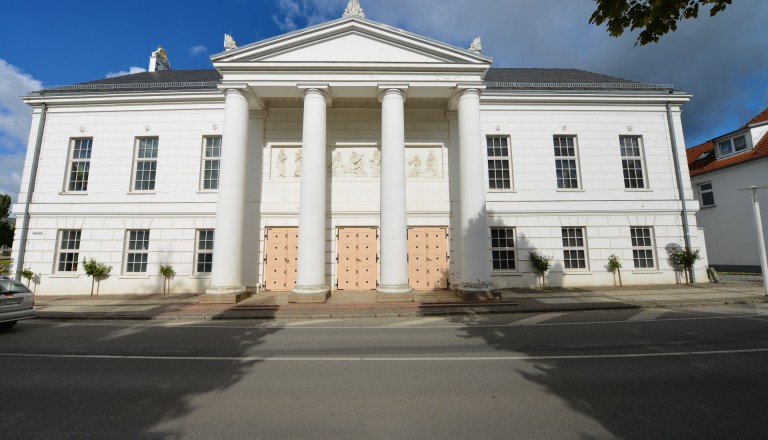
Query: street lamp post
(760, 236)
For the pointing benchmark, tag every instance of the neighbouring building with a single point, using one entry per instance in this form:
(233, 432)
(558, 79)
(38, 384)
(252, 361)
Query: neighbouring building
(720, 169)
(353, 155)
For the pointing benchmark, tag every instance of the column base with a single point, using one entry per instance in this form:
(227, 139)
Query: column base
(477, 292)
(394, 288)
(223, 295)
(309, 294)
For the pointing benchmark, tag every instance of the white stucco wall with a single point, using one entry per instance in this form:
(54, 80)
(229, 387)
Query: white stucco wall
(177, 207)
(729, 225)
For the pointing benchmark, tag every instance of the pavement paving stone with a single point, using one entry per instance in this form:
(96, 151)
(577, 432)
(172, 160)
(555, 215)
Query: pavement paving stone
(349, 304)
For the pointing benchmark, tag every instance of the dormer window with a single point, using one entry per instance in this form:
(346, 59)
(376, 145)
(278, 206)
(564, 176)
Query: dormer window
(731, 146)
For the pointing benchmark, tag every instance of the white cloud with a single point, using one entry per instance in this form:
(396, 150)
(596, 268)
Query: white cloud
(295, 14)
(15, 118)
(197, 50)
(725, 70)
(11, 167)
(130, 71)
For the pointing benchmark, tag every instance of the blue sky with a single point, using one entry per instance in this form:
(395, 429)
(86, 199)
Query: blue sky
(722, 61)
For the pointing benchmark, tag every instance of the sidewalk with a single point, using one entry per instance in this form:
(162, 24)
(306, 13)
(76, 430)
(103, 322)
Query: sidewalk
(341, 304)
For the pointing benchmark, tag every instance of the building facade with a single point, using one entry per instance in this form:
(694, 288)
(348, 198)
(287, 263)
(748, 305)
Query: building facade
(720, 169)
(352, 155)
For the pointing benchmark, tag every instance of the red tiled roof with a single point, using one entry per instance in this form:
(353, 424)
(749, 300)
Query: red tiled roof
(709, 163)
(705, 165)
(762, 117)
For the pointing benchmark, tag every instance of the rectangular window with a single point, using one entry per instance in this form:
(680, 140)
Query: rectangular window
(211, 162)
(503, 248)
(499, 169)
(68, 255)
(632, 162)
(574, 248)
(642, 248)
(732, 146)
(566, 162)
(707, 195)
(79, 165)
(145, 160)
(136, 254)
(204, 258)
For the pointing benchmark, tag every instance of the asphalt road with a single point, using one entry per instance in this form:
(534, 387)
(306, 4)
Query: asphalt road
(686, 373)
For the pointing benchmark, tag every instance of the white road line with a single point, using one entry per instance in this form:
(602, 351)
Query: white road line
(647, 315)
(381, 358)
(537, 319)
(414, 322)
(300, 323)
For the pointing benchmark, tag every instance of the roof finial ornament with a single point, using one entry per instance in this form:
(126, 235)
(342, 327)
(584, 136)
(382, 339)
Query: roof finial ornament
(475, 46)
(229, 42)
(354, 9)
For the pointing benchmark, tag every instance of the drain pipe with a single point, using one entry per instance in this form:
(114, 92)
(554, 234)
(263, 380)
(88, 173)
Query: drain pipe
(30, 190)
(681, 192)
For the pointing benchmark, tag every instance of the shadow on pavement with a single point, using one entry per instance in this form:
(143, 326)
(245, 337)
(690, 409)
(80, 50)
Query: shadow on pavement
(122, 379)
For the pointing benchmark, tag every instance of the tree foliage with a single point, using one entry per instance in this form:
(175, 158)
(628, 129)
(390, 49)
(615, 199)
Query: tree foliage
(5, 206)
(96, 271)
(654, 17)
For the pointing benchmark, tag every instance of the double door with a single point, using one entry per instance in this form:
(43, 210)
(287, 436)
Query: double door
(281, 257)
(428, 258)
(356, 258)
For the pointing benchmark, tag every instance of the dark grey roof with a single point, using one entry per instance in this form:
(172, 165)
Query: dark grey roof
(495, 78)
(145, 81)
(162, 76)
(536, 75)
(561, 79)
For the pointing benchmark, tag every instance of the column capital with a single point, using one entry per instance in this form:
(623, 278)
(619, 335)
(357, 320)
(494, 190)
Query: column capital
(245, 90)
(322, 89)
(401, 89)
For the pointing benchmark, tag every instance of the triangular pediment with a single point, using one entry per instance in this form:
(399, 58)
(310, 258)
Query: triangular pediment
(350, 40)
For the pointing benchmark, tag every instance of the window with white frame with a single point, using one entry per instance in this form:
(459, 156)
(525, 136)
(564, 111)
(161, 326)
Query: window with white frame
(68, 250)
(204, 251)
(211, 162)
(145, 164)
(707, 194)
(574, 248)
(503, 248)
(79, 164)
(731, 146)
(632, 162)
(566, 162)
(499, 163)
(642, 247)
(137, 251)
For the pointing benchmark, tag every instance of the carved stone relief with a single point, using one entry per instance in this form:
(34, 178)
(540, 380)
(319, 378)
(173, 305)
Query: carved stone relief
(355, 162)
(286, 162)
(424, 162)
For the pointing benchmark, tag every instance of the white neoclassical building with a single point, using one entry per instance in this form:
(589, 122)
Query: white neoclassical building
(352, 155)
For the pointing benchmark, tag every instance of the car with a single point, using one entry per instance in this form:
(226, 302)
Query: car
(17, 302)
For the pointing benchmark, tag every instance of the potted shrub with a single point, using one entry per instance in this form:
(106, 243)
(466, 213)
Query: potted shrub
(166, 270)
(541, 265)
(96, 271)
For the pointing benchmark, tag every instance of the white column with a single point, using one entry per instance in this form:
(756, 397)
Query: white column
(310, 278)
(475, 246)
(394, 235)
(227, 275)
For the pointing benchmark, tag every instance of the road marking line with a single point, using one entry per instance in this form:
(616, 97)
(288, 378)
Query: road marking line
(299, 323)
(537, 319)
(647, 315)
(414, 322)
(367, 358)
